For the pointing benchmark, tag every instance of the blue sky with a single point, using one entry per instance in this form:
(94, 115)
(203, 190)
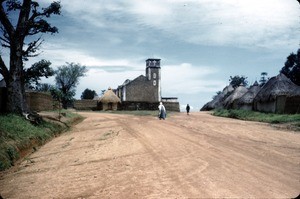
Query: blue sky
(200, 42)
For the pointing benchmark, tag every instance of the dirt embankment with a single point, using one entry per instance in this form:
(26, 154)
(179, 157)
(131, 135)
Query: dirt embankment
(123, 156)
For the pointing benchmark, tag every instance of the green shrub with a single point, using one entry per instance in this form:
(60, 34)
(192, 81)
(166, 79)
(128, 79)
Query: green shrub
(17, 134)
(258, 116)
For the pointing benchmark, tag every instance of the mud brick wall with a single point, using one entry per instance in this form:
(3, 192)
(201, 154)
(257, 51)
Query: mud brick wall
(292, 105)
(86, 105)
(39, 101)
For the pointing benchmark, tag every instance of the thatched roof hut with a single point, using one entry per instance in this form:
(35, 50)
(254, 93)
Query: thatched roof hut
(109, 100)
(237, 93)
(279, 95)
(246, 101)
(217, 102)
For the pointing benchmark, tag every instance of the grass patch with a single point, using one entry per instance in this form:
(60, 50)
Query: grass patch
(272, 118)
(18, 135)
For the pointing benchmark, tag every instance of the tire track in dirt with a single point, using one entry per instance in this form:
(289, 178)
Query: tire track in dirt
(122, 156)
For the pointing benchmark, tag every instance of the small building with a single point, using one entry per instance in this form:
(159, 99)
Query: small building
(236, 94)
(218, 100)
(246, 101)
(109, 100)
(278, 95)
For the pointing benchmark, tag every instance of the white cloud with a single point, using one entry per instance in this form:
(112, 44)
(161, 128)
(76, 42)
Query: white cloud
(247, 23)
(188, 79)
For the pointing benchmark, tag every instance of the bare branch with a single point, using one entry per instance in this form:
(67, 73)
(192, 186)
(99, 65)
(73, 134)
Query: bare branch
(23, 18)
(5, 21)
(4, 41)
(32, 48)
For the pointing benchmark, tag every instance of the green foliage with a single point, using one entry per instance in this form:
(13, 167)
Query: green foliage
(17, 134)
(67, 78)
(237, 80)
(22, 26)
(291, 67)
(258, 116)
(263, 78)
(88, 94)
(36, 71)
(44, 87)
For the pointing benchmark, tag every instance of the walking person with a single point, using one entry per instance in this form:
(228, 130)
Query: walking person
(187, 109)
(162, 111)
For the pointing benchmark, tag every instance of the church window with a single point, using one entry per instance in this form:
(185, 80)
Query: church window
(154, 75)
(154, 82)
(149, 74)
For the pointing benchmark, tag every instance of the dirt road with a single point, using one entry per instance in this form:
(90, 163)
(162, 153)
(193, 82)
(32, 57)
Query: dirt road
(196, 156)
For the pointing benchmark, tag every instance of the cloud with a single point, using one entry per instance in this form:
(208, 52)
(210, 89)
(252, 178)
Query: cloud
(232, 22)
(247, 23)
(188, 79)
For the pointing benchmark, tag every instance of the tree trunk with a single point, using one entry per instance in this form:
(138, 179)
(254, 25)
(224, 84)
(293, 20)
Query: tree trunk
(16, 101)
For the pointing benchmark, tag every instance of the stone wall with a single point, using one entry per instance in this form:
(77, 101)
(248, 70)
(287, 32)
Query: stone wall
(140, 90)
(86, 105)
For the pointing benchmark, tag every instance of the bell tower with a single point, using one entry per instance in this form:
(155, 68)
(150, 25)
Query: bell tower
(153, 76)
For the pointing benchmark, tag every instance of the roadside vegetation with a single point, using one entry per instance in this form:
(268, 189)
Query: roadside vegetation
(290, 121)
(19, 137)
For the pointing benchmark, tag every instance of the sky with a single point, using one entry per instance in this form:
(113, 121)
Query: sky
(201, 43)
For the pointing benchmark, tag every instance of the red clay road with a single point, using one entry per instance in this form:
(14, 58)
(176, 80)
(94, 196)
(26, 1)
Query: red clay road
(196, 156)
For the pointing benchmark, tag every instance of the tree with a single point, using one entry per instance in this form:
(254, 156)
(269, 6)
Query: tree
(263, 78)
(44, 87)
(237, 80)
(67, 78)
(22, 35)
(291, 67)
(88, 94)
(36, 71)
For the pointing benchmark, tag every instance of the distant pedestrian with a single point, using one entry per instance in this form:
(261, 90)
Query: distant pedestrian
(187, 109)
(162, 111)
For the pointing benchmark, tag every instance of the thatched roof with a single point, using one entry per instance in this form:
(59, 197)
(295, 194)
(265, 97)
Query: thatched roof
(237, 93)
(217, 102)
(109, 97)
(276, 86)
(249, 96)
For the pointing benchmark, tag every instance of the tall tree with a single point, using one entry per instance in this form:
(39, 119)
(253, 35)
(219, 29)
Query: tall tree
(23, 38)
(291, 67)
(36, 71)
(67, 78)
(237, 80)
(88, 94)
(263, 78)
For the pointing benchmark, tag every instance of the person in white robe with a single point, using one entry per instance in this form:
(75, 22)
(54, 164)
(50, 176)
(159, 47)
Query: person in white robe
(162, 111)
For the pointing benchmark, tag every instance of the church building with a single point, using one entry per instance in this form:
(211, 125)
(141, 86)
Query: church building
(143, 88)
(144, 92)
